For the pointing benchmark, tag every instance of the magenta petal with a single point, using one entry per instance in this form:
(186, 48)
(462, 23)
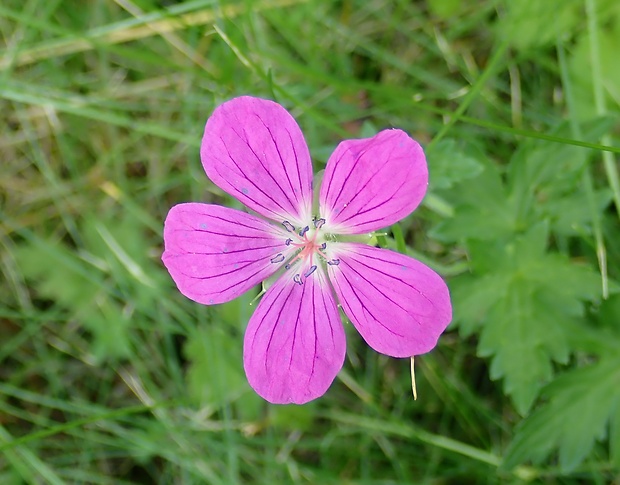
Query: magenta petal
(399, 305)
(254, 150)
(294, 344)
(372, 183)
(215, 254)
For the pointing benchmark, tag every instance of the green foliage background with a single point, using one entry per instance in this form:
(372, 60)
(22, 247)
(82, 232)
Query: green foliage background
(109, 375)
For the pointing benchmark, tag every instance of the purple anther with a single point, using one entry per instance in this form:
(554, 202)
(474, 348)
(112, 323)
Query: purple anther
(287, 266)
(297, 279)
(288, 226)
(318, 223)
(304, 231)
(323, 246)
(310, 271)
(334, 262)
(278, 258)
(288, 241)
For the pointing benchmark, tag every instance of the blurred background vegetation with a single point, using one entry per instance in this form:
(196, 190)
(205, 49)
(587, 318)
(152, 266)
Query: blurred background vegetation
(109, 375)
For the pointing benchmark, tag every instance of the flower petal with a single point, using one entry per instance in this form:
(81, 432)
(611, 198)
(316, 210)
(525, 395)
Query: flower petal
(215, 254)
(254, 150)
(372, 183)
(399, 305)
(295, 343)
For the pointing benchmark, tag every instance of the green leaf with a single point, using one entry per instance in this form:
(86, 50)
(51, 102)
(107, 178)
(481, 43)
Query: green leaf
(579, 406)
(444, 8)
(545, 180)
(523, 338)
(300, 418)
(521, 298)
(571, 215)
(472, 298)
(58, 275)
(449, 164)
(215, 376)
(554, 166)
(535, 23)
(580, 67)
(614, 438)
(483, 209)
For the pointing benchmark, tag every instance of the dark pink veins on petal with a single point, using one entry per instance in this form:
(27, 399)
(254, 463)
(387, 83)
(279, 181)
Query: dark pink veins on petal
(254, 150)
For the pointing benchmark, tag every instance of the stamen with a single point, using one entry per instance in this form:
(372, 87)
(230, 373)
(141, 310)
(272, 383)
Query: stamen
(297, 279)
(334, 262)
(304, 231)
(277, 258)
(287, 266)
(323, 246)
(288, 226)
(318, 223)
(310, 271)
(288, 241)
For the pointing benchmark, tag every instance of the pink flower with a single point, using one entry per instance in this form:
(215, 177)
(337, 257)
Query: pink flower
(295, 342)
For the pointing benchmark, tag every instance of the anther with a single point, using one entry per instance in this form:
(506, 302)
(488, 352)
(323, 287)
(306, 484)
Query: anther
(297, 279)
(288, 241)
(278, 258)
(287, 266)
(304, 231)
(310, 271)
(288, 226)
(323, 246)
(334, 262)
(318, 223)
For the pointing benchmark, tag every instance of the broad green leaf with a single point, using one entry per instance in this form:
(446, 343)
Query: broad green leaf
(578, 408)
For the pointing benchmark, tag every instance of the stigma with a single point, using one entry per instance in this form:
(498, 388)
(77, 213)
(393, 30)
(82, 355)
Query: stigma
(308, 246)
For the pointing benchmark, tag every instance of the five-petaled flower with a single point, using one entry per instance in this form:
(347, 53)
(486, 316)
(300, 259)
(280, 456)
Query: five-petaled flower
(295, 342)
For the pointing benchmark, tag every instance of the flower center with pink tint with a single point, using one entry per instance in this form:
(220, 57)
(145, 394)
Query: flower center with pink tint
(309, 243)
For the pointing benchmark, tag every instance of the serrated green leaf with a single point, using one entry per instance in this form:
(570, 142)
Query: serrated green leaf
(448, 164)
(473, 297)
(523, 339)
(484, 211)
(531, 295)
(579, 405)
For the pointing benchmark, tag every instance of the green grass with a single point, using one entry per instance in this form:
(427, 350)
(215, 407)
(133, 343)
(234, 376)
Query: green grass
(109, 375)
